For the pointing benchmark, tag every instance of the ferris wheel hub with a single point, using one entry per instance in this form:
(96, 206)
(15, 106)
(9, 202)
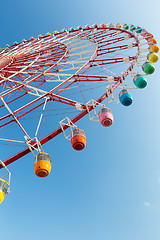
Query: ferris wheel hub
(4, 62)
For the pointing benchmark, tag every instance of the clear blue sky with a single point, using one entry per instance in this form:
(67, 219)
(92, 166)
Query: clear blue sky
(111, 190)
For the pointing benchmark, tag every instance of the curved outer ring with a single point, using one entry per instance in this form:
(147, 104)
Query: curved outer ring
(82, 114)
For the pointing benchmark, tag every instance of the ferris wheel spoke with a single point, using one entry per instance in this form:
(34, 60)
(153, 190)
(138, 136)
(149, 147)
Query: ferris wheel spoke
(59, 99)
(106, 34)
(93, 78)
(103, 51)
(111, 41)
(22, 71)
(13, 115)
(51, 65)
(42, 94)
(110, 61)
(57, 131)
(101, 37)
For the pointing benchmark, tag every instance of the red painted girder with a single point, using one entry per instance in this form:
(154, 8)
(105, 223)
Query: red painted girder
(98, 35)
(90, 78)
(113, 49)
(109, 38)
(109, 42)
(28, 58)
(16, 86)
(104, 33)
(23, 61)
(42, 63)
(108, 61)
(13, 100)
(33, 55)
(20, 116)
(56, 132)
(32, 80)
(52, 96)
(21, 45)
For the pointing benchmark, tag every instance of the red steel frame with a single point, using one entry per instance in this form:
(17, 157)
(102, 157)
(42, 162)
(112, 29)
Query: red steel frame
(58, 53)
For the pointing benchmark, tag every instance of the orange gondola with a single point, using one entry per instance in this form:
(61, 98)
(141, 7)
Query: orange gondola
(42, 165)
(78, 139)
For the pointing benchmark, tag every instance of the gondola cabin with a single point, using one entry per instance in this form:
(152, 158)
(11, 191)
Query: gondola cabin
(42, 165)
(125, 97)
(144, 32)
(152, 57)
(96, 26)
(111, 25)
(132, 28)
(148, 68)
(153, 48)
(78, 139)
(148, 36)
(125, 27)
(106, 117)
(104, 25)
(88, 27)
(152, 40)
(140, 81)
(119, 26)
(4, 187)
(138, 30)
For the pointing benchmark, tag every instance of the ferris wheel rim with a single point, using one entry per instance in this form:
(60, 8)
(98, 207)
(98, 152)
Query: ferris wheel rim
(79, 116)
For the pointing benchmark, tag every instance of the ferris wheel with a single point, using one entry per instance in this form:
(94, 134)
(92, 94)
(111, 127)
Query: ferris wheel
(47, 84)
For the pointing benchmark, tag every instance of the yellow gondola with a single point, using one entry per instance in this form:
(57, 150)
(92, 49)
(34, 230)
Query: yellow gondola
(4, 187)
(119, 26)
(152, 57)
(40, 36)
(154, 48)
